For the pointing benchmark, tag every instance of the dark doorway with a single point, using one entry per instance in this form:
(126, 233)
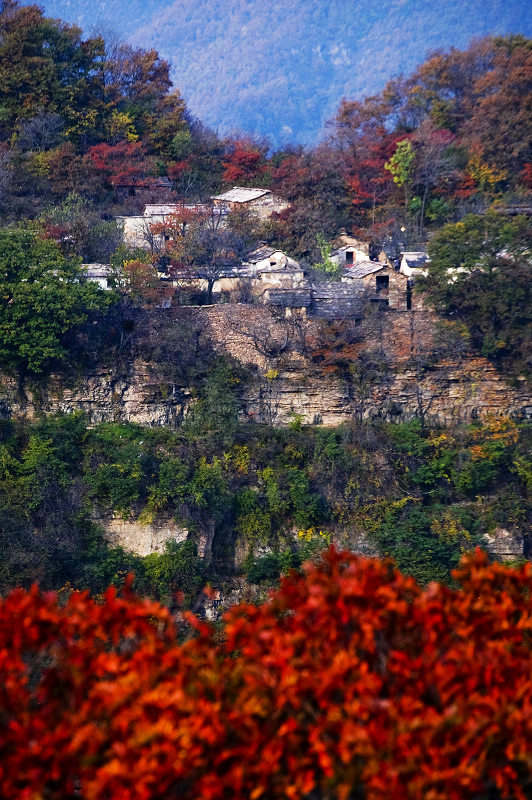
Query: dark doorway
(383, 283)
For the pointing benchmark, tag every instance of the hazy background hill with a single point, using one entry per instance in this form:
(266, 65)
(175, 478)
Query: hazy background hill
(280, 67)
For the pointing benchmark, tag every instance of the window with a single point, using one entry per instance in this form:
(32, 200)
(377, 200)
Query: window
(349, 257)
(383, 282)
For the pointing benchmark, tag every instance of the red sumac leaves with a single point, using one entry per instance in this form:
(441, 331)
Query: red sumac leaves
(349, 679)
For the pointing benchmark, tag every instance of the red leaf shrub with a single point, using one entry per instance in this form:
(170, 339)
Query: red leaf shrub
(122, 163)
(349, 680)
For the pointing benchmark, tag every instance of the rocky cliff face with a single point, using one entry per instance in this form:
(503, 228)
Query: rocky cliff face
(132, 394)
(446, 394)
(141, 537)
(286, 379)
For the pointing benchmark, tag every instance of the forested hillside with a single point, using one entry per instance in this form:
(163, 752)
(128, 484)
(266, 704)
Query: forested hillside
(227, 367)
(280, 68)
(441, 158)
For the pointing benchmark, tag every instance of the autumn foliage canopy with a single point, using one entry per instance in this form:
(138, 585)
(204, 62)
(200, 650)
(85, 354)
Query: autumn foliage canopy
(350, 681)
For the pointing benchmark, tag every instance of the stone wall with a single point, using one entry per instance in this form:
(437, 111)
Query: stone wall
(285, 380)
(446, 391)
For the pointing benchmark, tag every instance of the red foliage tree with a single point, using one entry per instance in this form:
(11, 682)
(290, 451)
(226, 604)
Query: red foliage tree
(350, 681)
(122, 163)
(369, 184)
(244, 162)
(526, 176)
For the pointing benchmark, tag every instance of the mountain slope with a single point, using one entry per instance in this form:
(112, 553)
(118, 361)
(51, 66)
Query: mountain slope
(280, 68)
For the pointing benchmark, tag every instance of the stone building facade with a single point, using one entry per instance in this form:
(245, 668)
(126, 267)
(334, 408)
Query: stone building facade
(260, 202)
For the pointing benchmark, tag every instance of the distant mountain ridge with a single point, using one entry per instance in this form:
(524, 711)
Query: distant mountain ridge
(279, 68)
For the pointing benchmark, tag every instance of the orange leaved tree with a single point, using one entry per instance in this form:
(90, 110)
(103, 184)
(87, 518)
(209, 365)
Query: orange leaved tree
(351, 681)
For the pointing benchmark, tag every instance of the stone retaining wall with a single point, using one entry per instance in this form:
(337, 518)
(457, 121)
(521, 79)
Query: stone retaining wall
(289, 382)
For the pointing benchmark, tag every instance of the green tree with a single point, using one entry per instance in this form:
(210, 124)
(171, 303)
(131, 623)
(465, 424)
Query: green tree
(401, 167)
(177, 569)
(214, 417)
(43, 296)
(44, 64)
(326, 265)
(480, 274)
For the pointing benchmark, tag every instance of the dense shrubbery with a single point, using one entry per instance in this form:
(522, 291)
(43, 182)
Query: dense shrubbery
(350, 682)
(409, 155)
(480, 275)
(421, 496)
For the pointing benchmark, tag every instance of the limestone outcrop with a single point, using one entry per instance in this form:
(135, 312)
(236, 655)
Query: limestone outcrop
(285, 380)
(138, 537)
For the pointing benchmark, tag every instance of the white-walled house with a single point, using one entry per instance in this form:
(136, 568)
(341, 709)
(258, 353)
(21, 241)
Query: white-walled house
(265, 257)
(136, 228)
(414, 263)
(349, 254)
(98, 273)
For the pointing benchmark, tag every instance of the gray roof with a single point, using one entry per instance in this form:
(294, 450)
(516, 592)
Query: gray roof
(345, 248)
(415, 259)
(336, 300)
(241, 194)
(260, 253)
(288, 298)
(227, 270)
(151, 209)
(363, 268)
(96, 270)
(332, 291)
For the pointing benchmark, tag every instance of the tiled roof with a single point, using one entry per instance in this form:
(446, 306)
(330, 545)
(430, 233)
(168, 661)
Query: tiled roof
(345, 247)
(363, 268)
(96, 270)
(152, 209)
(240, 194)
(167, 208)
(259, 254)
(289, 298)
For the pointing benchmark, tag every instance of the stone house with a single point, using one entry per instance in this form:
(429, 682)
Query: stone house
(262, 270)
(135, 230)
(333, 300)
(352, 250)
(264, 257)
(348, 255)
(293, 301)
(260, 202)
(381, 284)
(257, 285)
